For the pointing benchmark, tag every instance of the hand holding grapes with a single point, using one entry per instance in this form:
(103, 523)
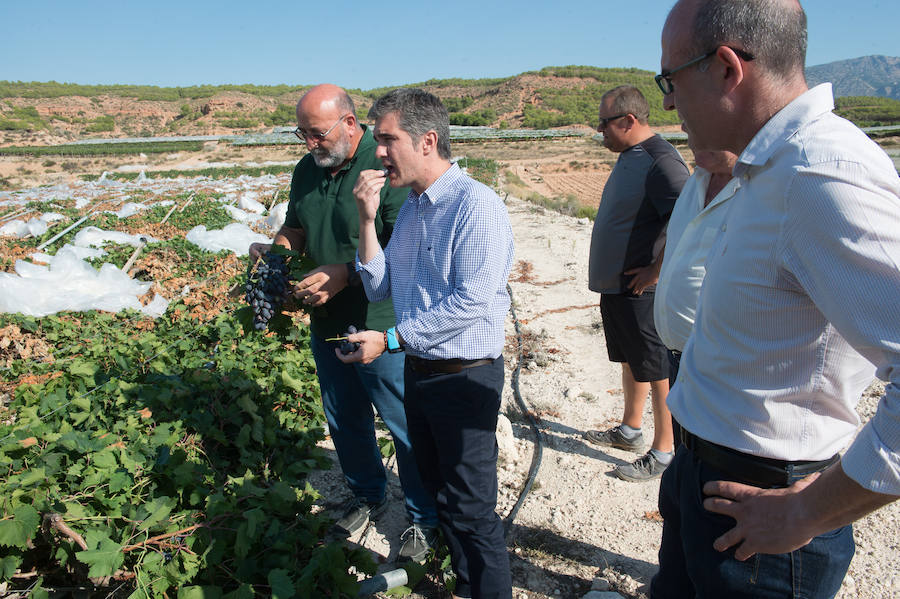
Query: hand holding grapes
(369, 345)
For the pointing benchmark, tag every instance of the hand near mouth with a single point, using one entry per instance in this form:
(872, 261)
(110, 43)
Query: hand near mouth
(367, 192)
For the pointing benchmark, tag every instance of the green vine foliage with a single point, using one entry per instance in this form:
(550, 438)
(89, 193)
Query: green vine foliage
(166, 457)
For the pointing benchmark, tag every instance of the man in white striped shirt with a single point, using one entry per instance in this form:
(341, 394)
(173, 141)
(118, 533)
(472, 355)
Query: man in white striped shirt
(798, 310)
(445, 268)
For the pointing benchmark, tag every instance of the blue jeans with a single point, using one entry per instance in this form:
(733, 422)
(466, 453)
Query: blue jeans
(689, 567)
(348, 393)
(453, 424)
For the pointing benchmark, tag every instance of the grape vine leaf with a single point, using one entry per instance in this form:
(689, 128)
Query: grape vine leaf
(8, 566)
(281, 583)
(106, 556)
(199, 592)
(12, 534)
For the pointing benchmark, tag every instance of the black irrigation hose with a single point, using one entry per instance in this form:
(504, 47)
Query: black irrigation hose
(539, 444)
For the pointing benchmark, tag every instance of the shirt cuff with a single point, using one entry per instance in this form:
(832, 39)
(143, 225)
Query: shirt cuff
(373, 267)
(871, 463)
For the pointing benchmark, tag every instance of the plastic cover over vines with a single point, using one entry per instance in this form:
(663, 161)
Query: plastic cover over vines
(267, 289)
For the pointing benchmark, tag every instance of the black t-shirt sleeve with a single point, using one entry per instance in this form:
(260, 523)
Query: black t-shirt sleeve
(664, 182)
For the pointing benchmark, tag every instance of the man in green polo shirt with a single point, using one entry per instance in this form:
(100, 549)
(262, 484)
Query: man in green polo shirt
(322, 221)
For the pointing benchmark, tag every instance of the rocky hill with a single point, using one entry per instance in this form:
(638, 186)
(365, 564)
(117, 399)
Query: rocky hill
(865, 76)
(49, 113)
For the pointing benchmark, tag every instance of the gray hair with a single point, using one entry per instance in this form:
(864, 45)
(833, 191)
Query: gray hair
(627, 99)
(418, 112)
(344, 104)
(773, 31)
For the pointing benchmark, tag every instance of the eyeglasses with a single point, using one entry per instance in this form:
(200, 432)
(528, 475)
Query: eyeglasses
(664, 79)
(604, 121)
(304, 135)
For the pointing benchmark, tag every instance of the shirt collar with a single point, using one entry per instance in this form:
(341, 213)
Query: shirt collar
(786, 122)
(442, 185)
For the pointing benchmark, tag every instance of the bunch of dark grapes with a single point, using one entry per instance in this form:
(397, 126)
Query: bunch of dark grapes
(267, 288)
(346, 347)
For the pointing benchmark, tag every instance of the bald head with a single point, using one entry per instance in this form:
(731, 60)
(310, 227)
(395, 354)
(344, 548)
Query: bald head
(326, 99)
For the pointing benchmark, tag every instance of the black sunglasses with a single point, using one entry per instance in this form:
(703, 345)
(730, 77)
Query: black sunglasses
(604, 121)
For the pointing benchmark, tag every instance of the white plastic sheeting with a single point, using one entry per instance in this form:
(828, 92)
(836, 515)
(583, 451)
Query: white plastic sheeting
(129, 209)
(96, 237)
(21, 228)
(248, 202)
(34, 226)
(276, 216)
(235, 237)
(69, 283)
(241, 216)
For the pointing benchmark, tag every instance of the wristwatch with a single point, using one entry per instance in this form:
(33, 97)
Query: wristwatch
(393, 345)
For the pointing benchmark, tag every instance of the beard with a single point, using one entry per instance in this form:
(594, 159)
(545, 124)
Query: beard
(325, 158)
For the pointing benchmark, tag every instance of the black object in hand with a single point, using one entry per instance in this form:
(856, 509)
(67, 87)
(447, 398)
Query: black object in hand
(347, 347)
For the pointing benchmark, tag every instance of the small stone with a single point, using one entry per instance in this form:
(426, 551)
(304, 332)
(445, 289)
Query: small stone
(600, 584)
(506, 442)
(602, 595)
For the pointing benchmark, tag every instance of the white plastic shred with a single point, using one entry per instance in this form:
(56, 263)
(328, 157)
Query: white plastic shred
(21, 228)
(235, 237)
(129, 209)
(69, 283)
(276, 216)
(241, 216)
(96, 237)
(65, 281)
(248, 202)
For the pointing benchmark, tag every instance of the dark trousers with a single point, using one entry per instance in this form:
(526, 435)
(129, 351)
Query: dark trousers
(674, 364)
(452, 422)
(690, 567)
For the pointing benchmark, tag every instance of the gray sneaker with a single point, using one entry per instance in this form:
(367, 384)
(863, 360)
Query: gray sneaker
(356, 513)
(642, 469)
(614, 438)
(415, 543)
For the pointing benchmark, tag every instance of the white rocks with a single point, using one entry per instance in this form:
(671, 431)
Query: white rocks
(506, 441)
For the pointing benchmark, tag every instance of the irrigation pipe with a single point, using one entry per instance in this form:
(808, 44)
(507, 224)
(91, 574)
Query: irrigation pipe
(395, 578)
(188, 203)
(64, 231)
(538, 440)
(15, 215)
(169, 213)
(135, 254)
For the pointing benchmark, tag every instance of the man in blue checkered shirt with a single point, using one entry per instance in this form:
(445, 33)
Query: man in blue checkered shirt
(446, 268)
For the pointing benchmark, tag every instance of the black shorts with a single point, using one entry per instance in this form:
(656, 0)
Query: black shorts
(631, 335)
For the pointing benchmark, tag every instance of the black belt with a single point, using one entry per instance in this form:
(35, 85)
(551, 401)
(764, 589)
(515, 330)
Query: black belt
(767, 473)
(452, 366)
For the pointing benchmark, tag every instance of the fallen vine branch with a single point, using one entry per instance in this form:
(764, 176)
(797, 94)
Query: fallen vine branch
(556, 310)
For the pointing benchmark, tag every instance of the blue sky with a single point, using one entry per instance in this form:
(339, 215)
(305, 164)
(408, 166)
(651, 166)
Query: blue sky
(368, 44)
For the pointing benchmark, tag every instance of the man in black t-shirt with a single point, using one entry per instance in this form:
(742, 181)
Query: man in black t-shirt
(624, 266)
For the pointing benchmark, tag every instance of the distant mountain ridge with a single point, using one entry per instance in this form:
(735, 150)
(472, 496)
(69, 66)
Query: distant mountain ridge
(864, 76)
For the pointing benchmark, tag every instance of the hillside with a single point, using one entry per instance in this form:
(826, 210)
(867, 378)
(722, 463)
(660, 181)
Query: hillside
(49, 113)
(865, 76)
